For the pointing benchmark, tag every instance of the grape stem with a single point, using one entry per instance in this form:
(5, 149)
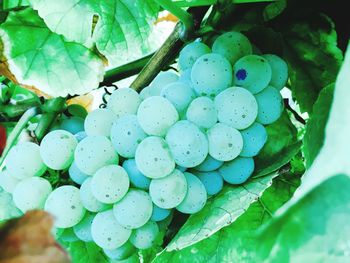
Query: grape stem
(21, 124)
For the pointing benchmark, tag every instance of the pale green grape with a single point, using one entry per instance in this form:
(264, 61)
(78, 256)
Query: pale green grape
(99, 122)
(147, 92)
(126, 134)
(232, 45)
(236, 107)
(211, 74)
(202, 112)
(76, 175)
(212, 181)
(107, 232)
(190, 53)
(179, 94)
(72, 124)
(196, 196)
(122, 252)
(187, 143)
(110, 184)
(209, 164)
(161, 80)
(225, 142)
(31, 193)
(7, 181)
(156, 115)
(144, 237)
(153, 158)
(238, 170)
(137, 178)
(80, 136)
(185, 77)
(57, 149)
(83, 229)
(254, 138)
(270, 104)
(94, 152)
(170, 191)
(124, 101)
(159, 214)
(68, 235)
(134, 210)
(252, 72)
(65, 205)
(24, 160)
(279, 71)
(88, 200)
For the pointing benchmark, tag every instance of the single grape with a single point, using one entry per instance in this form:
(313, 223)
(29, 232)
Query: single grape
(88, 200)
(31, 193)
(187, 143)
(124, 101)
(107, 232)
(179, 94)
(72, 124)
(65, 205)
(121, 253)
(279, 71)
(270, 104)
(196, 196)
(170, 191)
(159, 214)
(57, 149)
(94, 152)
(252, 72)
(76, 175)
(211, 74)
(233, 46)
(238, 170)
(225, 142)
(126, 134)
(190, 53)
(110, 184)
(185, 77)
(99, 122)
(80, 136)
(156, 115)
(161, 80)
(7, 181)
(202, 112)
(144, 237)
(147, 92)
(137, 179)
(153, 158)
(24, 160)
(134, 210)
(254, 138)
(212, 181)
(209, 164)
(236, 107)
(83, 229)
(68, 235)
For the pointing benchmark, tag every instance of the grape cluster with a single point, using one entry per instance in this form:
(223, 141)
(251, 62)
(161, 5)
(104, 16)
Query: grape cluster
(170, 147)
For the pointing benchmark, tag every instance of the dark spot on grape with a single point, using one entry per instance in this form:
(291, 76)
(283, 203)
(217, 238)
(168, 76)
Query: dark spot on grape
(205, 59)
(230, 145)
(129, 133)
(73, 207)
(109, 239)
(241, 74)
(243, 116)
(107, 195)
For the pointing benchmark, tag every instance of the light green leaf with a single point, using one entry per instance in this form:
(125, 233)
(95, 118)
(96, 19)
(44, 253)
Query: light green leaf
(237, 242)
(82, 252)
(220, 211)
(314, 135)
(122, 30)
(40, 58)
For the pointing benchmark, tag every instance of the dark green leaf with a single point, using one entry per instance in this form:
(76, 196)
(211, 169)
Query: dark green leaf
(9, 4)
(274, 9)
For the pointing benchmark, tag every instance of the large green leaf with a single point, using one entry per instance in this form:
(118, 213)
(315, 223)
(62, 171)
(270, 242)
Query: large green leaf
(40, 58)
(82, 252)
(219, 212)
(309, 223)
(237, 242)
(314, 135)
(121, 32)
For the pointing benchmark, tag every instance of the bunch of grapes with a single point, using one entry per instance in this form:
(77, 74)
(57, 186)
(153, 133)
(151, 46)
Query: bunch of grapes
(170, 147)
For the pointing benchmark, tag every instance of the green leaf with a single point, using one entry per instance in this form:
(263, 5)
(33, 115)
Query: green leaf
(237, 242)
(9, 4)
(280, 148)
(310, 230)
(314, 134)
(40, 58)
(219, 212)
(274, 9)
(311, 219)
(82, 252)
(122, 30)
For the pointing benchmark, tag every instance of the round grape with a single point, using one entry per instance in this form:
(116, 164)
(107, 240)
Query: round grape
(137, 178)
(99, 122)
(209, 164)
(237, 171)
(159, 214)
(161, 80)
(270, 104)
(254, 138)
(279, 71)
(80, 136)
(76, 175)
(212, 181)
(72, 124)
(83, 229)
(7, 181)
(202, 112)
(124, 101)
(121, 253)
(236, 107)
(88, 200)
(185, 77)
(190, 53)
(144, 237)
